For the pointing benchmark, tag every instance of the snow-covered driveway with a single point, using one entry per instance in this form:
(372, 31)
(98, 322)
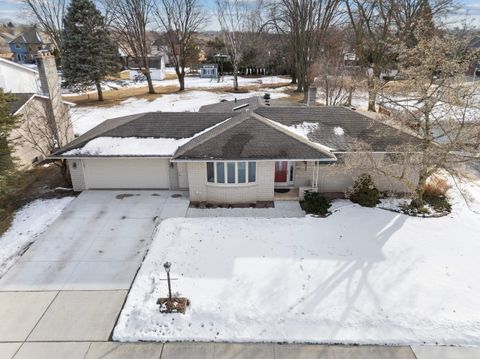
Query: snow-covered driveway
(97, 243)
(362, 275)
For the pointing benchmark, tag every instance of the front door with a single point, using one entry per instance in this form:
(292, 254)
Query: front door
(284, 173)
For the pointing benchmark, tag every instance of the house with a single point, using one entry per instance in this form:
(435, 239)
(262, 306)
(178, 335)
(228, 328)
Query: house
(156, 61)
(26, 45)
(18, 78)
(240, 155)
(209, 71)
(44, 123)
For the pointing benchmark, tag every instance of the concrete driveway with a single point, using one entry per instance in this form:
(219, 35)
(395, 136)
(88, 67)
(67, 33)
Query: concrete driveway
(98, 243)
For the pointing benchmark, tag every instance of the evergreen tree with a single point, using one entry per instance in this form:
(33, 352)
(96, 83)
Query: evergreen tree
(88, 54)
(7, 123)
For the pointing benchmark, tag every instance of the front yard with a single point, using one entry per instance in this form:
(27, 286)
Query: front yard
(360, 275)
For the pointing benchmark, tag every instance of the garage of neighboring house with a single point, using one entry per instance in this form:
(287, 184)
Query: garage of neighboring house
(120, 173)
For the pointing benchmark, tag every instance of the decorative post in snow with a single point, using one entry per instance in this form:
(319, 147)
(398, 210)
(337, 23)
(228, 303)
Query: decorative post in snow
(172, 304)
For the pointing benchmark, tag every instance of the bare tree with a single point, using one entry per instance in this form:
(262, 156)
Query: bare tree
(306, 22)
(408, 14)
(371, 21)
(237, 21)
(45, 128)
(436, 102)
(49, 14)
(129, 20)
(336, 77)
(179, 20)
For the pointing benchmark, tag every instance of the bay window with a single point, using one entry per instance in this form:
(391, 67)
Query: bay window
(240, 172)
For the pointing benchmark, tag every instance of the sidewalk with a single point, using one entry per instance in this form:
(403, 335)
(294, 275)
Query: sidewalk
(110, 350)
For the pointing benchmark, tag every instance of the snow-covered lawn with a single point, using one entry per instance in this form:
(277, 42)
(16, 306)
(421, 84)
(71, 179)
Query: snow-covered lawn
(191, 82)
(361, 275)
(29, 222)
(85, 118)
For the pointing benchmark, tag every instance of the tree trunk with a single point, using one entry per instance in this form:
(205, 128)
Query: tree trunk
(181, 81)
(235, 78)
(99, 91)
(294, 77)
(418, 201)
(372, 95)
(148, 75)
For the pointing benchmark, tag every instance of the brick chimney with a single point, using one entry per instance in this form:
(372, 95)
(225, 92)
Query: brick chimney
(57, 111)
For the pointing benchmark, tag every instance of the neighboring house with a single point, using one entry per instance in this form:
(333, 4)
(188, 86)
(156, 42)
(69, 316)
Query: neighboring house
(156, 60)
(26, 46)
(18, 78)
(44, 119)
(241, 154)
(209, 71)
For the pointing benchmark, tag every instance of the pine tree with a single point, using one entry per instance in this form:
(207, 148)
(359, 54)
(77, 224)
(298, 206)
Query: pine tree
(7, 123)
(89, 54)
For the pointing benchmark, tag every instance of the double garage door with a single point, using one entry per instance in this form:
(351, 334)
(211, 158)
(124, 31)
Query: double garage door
(136, 173)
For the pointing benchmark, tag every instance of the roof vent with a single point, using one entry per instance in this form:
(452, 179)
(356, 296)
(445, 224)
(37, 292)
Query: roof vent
(240, 107)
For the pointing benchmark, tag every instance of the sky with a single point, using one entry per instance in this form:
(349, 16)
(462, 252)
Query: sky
(13, 10)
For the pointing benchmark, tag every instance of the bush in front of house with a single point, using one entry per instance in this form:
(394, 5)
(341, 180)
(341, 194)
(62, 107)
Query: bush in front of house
(364, 192)
(314, 203)
(435, 194)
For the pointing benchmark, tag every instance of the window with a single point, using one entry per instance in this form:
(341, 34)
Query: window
(242, 172)
(252, 171)
(220, 172)
(231, 172)
(210, 172)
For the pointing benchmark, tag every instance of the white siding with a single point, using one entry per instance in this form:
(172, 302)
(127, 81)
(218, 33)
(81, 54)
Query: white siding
(133, 173)
(17, 78)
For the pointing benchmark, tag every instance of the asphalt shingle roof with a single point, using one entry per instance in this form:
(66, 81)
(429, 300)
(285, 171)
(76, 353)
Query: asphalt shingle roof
(241, 105)
(325, 123)
(250, 137)
(175, 125)
(19, 99)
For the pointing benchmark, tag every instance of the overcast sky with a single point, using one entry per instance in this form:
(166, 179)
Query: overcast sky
(13, 10)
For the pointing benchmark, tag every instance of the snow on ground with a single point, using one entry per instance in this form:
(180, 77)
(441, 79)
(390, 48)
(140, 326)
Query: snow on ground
(29, 222)
(85, 118)
(361, 275)
(191, 82)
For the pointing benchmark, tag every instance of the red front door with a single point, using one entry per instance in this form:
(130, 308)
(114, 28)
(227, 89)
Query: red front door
(281, 169)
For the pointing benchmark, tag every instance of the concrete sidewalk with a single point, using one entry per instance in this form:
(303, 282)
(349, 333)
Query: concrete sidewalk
(110, 350)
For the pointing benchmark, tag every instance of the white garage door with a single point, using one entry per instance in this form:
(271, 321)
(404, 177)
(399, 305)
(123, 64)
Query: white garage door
(135, 173)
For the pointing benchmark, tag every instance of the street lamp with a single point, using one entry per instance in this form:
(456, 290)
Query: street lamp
(167, 266)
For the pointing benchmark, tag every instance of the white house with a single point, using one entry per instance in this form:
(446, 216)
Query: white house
(18, 78)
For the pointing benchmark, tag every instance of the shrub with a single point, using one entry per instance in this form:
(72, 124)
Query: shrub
(314, 203)
(364, 192)
(435, 187)
(434, 194)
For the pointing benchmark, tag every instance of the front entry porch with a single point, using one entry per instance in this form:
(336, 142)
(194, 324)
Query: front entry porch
(287, 194)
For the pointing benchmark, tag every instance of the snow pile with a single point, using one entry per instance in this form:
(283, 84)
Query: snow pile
(129, 146)
(28, 223)
(361, 275)
(85, 118)
(338, 131)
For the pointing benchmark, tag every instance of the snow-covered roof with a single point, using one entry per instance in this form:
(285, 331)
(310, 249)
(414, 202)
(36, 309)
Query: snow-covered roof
(265, 133)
